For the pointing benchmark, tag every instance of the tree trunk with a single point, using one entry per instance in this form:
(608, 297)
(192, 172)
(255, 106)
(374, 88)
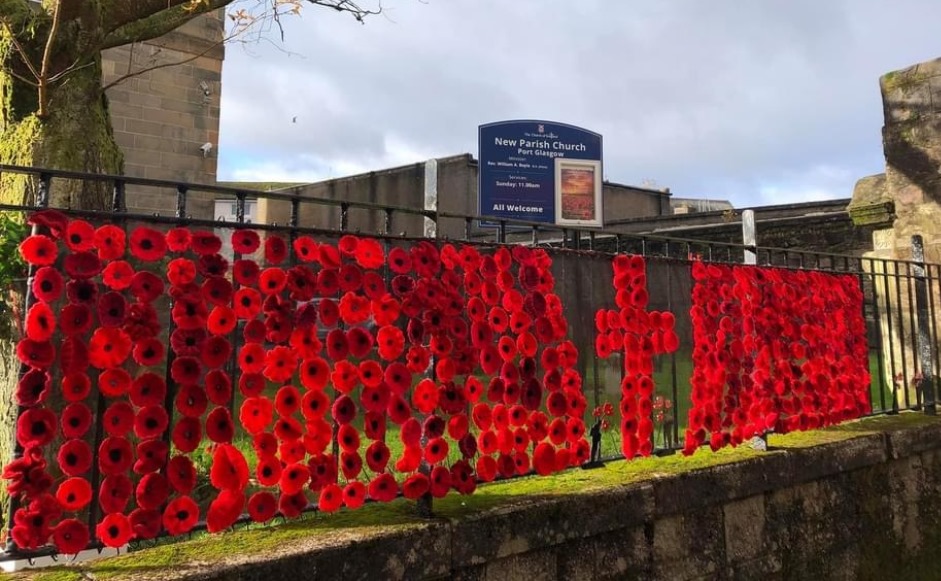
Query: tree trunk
(75, 135)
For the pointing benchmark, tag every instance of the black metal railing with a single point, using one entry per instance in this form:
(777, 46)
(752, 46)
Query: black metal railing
(901, 298)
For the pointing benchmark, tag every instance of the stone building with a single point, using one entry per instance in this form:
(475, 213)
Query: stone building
(902, 202)
(163, 118)
(405, 187)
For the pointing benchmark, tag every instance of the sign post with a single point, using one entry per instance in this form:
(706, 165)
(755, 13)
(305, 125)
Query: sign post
(540, 171)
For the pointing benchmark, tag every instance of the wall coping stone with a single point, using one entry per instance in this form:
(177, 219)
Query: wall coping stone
(434, 549)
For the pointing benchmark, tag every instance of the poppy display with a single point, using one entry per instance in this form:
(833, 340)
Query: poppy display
(796, 323)
(74, 457)
(245, 241)
(79, 236)
(74, 494)
(339, 336)
(180, 515)
(204, 243)
(292, 505)
(115, 492)
(36, 427)
(262, 506)
(224, 510)
(151, 456)
(147, 244)
(39, 250)
(70, 536)
(146, 523)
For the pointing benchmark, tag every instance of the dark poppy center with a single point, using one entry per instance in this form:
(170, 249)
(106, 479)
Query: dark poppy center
(114, 455)
(38, 521)
(151, 423)
(38, 429)
(147, 244)
(114, 531)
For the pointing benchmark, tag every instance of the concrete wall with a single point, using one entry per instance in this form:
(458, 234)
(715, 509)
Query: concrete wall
(457, 194)
(163, 116)
(861, 508)
(815, 226)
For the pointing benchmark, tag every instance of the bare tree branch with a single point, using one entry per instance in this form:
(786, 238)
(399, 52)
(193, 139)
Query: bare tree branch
(138, 20)
(159, 24)
(175, 63)
(120, 13)
(47, 60)
(358, 12)
(29, 82)
(20, 49)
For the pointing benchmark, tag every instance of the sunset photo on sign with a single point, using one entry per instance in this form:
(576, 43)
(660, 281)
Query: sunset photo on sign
(578, 192)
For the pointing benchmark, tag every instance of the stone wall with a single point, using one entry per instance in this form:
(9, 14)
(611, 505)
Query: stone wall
(814, 226)
(902, 202)
(860, 508)
(912, 141)
(404, 187)
(162, 117)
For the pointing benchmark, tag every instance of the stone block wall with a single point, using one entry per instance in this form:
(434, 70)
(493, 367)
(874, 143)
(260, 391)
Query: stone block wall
(162, 117)
(902, 202)
(912, 142)
(862, 508)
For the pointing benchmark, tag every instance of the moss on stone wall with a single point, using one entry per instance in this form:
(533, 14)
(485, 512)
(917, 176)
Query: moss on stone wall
(850, 510)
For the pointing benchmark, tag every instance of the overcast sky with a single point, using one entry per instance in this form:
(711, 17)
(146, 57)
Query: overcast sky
(754, 101)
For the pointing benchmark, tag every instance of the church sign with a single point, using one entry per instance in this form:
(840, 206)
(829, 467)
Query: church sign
(540, 171)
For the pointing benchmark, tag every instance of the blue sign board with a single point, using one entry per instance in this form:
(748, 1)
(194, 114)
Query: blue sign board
(520, 176)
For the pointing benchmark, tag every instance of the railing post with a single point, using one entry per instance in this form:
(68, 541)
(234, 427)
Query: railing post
(430, 227)
(387, 225)
(922, 342)
(749, 238)
(344, 216)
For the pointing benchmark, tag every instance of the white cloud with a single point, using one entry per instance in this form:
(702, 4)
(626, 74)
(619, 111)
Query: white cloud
(728, 99)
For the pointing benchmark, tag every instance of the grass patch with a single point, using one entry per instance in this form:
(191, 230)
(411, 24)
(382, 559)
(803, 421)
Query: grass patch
(266, 540)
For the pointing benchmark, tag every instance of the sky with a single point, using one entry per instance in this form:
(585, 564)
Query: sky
(753, 101)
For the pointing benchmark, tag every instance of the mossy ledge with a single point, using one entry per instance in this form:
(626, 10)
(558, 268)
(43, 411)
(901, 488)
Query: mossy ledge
(492, 533)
